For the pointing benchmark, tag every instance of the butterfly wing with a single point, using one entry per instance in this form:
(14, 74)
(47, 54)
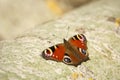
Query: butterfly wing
(55, 52)
(79, 41)
(79, 45)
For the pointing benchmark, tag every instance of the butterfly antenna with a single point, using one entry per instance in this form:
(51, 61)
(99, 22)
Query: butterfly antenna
(67, 31)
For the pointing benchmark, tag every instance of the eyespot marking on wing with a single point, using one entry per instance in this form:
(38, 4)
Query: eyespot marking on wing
(48, 52)
(80, 37)
(67, 59)
(82, 51)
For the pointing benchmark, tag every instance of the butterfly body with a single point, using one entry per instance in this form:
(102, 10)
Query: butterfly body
(72, 52)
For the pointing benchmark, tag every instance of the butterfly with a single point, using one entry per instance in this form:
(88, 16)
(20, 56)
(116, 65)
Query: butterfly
(71, 52)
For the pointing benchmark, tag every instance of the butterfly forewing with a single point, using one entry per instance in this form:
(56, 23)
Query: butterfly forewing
(54, 52)
(79, 41)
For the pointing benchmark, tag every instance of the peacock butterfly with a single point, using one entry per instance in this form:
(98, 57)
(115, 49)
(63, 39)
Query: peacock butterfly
(71, 52)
